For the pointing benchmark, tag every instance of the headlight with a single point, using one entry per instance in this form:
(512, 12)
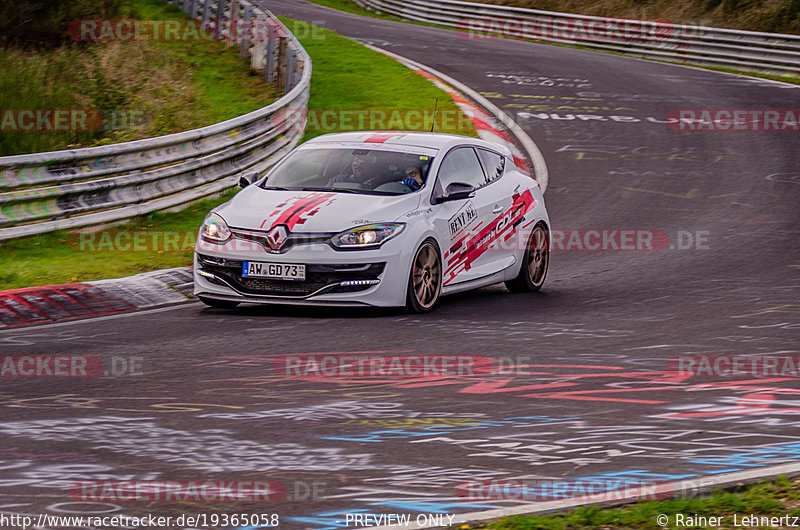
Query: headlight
(367, 236)
(215, 229)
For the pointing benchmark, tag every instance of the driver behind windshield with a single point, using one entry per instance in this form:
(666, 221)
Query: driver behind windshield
(413, 178)
(361, 170)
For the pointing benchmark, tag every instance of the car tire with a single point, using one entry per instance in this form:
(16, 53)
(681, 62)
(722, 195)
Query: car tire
(535, 262)
(218, 304)
(425, 278)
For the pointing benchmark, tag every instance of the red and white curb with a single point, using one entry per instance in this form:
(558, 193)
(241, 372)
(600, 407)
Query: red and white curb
(490, 122)
(53, 303)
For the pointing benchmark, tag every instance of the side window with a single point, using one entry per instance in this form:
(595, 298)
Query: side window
(461, 165)
(493, 164)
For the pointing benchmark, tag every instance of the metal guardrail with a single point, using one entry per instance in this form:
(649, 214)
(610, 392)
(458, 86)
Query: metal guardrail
(42, 192)
(744, 50)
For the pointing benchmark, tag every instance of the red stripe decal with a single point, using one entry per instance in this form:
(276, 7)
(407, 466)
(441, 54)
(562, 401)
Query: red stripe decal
(480, 243)
(380, 138)
(293, 214)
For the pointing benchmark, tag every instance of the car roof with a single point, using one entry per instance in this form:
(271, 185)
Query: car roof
(428, 140)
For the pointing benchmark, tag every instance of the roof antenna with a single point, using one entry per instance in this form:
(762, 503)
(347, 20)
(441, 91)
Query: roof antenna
(435, 105)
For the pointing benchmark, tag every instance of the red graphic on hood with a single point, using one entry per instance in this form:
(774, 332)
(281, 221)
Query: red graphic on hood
(297, 210)
(470, 247)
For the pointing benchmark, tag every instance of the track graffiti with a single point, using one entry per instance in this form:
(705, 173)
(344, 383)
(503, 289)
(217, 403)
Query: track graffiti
(212, 450)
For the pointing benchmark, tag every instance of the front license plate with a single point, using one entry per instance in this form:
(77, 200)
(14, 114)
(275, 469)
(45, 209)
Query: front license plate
(275, 271)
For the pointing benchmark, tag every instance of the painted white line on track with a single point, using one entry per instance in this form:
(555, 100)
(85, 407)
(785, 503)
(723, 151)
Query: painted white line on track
(679, 487)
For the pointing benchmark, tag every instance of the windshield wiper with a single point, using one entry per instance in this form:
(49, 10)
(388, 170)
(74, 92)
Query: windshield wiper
(334, 190)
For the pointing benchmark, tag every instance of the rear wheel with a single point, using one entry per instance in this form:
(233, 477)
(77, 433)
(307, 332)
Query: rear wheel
(425, 279)
(218, 304)
(534, 262)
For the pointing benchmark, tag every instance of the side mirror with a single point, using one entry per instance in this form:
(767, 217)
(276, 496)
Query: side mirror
(248, 178)
(457, 190)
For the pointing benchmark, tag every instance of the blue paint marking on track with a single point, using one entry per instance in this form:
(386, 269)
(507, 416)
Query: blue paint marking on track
(760, 457)
(433, 430)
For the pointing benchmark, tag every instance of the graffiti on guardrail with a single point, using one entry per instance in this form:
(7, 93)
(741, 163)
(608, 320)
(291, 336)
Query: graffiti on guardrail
(96, 185)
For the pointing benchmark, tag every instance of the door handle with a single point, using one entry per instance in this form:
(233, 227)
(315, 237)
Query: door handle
(497, 209)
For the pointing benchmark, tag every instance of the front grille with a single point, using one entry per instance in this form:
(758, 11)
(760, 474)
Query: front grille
(317, 277)
(259, 237)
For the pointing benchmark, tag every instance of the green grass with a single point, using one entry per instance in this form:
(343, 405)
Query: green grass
(152, 87)
(346, 75)
(772, 498)
(349, 77)
(350, 6)
(59, 257)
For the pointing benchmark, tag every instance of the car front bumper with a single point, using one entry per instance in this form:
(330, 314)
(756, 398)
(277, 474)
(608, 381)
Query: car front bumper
(333, 277)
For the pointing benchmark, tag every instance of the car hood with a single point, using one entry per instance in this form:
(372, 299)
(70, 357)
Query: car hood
(255, 208)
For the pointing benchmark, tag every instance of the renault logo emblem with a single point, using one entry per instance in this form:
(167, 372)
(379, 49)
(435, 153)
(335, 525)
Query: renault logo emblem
(276, 238)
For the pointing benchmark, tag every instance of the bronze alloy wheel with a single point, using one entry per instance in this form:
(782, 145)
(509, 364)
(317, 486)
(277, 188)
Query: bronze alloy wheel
(425, 283)
(535, 262)
(538, 256)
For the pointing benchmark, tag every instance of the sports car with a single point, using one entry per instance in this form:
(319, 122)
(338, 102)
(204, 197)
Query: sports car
(376, 219)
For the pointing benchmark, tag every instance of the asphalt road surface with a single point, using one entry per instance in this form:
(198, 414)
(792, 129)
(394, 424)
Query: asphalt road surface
(572, 383)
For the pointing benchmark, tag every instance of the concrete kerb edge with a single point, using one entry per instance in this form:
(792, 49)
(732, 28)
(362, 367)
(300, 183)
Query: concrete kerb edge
(692, 486)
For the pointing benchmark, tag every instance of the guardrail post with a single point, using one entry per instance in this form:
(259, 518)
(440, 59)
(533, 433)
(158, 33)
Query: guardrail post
(271, 52)
(233, 23)
(206, 10)
(246, 32)
(221, 5)
(291, 62)
(283, 43)
(258, 52)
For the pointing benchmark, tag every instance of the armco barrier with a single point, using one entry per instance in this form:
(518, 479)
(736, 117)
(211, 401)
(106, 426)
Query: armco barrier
(42, 192)
(744, 50)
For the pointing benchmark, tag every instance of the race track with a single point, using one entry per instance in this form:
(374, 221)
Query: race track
(585, 389)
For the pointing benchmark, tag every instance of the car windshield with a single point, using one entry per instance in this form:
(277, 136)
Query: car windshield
(367, 171)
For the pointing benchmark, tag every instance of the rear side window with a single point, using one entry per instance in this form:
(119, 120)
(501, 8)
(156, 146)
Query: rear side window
(493, 163)
(461, 165)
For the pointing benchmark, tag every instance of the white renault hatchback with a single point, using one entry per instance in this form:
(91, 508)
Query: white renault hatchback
(376, 219)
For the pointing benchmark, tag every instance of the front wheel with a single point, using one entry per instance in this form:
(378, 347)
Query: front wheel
(534, 262)
(218, 304)
(425, 279)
